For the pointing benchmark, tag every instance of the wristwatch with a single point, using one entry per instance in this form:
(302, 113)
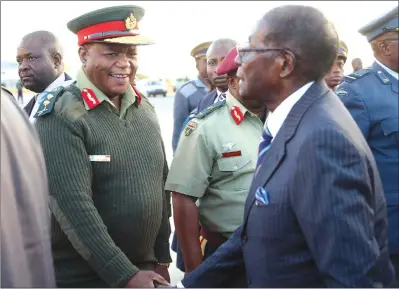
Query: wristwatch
(164, 264)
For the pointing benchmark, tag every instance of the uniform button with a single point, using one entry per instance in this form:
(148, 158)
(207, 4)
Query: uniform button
(127, 124)
(235, 167)
(249, 282)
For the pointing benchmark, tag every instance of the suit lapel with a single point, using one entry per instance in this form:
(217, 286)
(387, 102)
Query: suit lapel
(67, 77)
(29, 107)
(275, 156)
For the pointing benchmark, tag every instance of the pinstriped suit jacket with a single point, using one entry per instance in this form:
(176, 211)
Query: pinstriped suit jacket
(326, 222)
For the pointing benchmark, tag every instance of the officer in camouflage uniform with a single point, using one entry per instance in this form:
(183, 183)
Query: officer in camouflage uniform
(189, 94)
(371, 96)
(214, 163)
(106, 163)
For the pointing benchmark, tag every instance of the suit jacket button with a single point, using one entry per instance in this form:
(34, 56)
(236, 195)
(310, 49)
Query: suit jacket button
(244, 239)
(249, 282)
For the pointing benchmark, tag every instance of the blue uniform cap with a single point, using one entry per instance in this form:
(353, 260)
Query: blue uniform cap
(386, 23)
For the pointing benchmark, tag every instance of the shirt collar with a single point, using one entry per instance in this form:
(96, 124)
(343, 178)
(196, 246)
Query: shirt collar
(199, 83)
(232, 101)
(218, 92)
(83, 82)
(390, 71)
(276, 118)
(59, 81)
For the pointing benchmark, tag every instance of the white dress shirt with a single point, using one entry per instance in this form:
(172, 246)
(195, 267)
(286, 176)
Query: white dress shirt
(390, 71)
(60, 81)
(218, 93)
(276, 118)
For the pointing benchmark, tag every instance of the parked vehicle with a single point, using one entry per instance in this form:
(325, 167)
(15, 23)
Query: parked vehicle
(152, 87)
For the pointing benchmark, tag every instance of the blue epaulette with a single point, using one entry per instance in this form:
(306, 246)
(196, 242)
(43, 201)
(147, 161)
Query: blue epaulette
(47, 104)
(210, 109)
(356, 75)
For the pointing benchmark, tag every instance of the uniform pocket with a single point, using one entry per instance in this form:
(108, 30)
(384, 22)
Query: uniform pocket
(390, 125)
(232, 164)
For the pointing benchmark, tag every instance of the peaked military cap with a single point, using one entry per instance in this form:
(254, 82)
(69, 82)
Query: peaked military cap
(118, 24)
(228, 64)
(342, 50)
(200, 50)
(386, 23)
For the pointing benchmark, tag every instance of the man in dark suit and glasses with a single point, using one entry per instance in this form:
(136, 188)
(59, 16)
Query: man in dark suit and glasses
(40, 66)
(315, 215)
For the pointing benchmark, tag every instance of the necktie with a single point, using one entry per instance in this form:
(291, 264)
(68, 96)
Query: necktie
(264, 145)
(222, 96)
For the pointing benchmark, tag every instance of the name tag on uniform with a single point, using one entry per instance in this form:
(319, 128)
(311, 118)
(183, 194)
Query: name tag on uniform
(231, 154)
(100, 158)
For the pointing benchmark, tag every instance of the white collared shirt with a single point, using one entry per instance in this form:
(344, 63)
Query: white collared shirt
(390, 71)
(276, 118)
(60, 81)
(218, 93)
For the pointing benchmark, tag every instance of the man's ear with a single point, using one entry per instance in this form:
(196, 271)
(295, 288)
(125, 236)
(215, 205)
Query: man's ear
(83, 54)
(287, 63)
(57, 60)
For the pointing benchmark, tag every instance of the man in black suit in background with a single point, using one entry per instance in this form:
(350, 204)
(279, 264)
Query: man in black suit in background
(40, 66)
(315, 215)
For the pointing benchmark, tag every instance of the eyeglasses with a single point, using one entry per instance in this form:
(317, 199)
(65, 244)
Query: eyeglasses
(246, 53)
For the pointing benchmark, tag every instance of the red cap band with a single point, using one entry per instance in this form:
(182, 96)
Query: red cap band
(88, 34)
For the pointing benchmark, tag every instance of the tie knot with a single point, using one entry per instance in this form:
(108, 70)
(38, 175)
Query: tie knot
(222, 96)
(266, 135)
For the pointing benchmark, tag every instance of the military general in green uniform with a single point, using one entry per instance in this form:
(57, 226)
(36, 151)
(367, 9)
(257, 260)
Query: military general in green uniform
(106, 163)
(214, 163)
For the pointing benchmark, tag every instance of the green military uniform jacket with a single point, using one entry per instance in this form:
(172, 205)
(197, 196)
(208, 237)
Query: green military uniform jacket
(215, 161)
(106, 171)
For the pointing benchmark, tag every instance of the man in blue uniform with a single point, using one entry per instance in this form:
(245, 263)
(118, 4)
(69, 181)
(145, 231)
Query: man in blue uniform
(371, 96)
(189, 95)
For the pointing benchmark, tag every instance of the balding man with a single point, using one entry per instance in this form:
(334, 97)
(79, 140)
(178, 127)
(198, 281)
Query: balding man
(315, 214)
(357, 64)
(40, 67)
(371, 96)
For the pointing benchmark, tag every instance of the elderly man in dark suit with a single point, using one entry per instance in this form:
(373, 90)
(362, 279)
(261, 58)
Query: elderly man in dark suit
(315, 215)
(40, 66)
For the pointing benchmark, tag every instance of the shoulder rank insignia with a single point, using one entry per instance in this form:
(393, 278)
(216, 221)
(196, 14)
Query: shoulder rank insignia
(90, 98)
(341, 92)
(383, 77)
(356, 75)
(190, 127)
(237, 114)
(210, 109)
(47, 104)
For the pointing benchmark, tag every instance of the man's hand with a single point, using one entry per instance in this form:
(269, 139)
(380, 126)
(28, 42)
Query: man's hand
(146, 279)
(163, 271)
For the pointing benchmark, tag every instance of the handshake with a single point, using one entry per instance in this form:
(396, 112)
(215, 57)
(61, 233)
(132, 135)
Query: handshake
(159, 278)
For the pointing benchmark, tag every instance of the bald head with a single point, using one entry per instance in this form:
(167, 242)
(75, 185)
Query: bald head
(40, 60)
(46, 39)
(357, 64)
(214, 56)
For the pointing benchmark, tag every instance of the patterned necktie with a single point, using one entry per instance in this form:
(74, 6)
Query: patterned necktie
(264, 145)
(222, 96)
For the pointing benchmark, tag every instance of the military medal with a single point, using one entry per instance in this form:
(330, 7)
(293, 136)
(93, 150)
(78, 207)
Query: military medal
(100, 158)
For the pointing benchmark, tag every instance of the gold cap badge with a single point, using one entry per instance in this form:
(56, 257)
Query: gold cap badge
(130, 22)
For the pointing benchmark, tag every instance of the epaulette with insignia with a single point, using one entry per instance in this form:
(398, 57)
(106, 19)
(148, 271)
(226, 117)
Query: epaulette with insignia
(47, 104)
(210, 109)
(356, 75)
(188, 89)
(384, 79)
